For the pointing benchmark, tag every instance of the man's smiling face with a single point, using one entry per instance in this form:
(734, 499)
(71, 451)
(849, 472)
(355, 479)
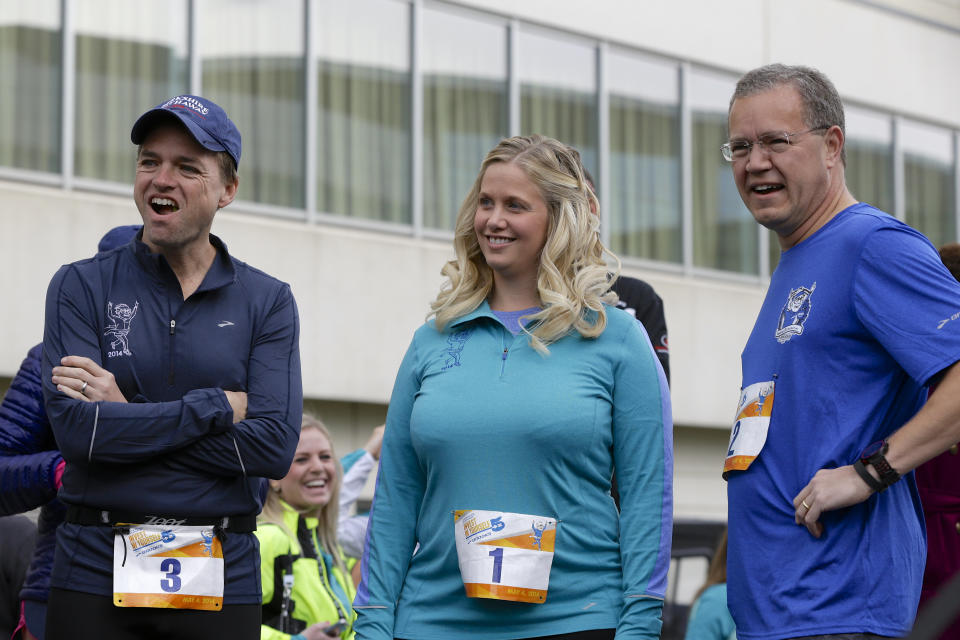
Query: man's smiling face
(782, 190)
(178, 189)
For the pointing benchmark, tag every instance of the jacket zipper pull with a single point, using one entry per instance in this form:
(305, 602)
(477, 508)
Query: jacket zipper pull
(173, 325)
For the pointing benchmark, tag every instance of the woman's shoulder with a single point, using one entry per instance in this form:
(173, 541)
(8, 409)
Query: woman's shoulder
(617, 316)
(715, 593)
(622, 326)
(273, 539)
(429, 334)
(426, 330)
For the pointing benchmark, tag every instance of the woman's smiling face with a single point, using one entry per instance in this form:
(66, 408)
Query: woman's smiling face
(309, 483)
(510, 222)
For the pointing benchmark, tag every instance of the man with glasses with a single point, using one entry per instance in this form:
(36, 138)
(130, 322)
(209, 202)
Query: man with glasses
(859, 319)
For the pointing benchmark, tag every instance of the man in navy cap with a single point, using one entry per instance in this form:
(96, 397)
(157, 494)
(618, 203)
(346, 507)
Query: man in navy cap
(171, 375)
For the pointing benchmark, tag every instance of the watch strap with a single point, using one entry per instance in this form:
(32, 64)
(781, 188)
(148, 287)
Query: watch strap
(888, 475)
(872, 482)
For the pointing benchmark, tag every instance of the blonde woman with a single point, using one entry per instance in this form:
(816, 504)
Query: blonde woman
(510, 410)
(307, 589)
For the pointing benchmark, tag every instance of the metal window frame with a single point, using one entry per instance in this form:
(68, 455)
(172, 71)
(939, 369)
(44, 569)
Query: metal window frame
(513, 77)
(956, 184)
(68, 95)
(311, 95)
(899, 172)
(686, 168)
(603, 132)
(416, 118)
(68, 181)
(194, 62)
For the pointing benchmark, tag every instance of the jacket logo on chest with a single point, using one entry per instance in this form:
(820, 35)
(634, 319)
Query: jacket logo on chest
(455, 344)
(794, 313)
(120, 316)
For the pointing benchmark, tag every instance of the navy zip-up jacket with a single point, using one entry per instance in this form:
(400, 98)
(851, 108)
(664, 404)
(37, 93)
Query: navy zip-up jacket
(173, 449)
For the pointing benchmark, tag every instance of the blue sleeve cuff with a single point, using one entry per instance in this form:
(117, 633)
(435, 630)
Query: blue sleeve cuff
(351, 458)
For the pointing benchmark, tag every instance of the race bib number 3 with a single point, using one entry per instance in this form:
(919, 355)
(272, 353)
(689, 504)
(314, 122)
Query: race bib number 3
(505, 556)
(750, 426)
(168, 567)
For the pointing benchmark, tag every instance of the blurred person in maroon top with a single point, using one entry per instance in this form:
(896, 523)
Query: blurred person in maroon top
(939, 483)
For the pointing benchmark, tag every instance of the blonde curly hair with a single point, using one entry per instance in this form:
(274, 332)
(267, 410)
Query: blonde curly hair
(573, 280)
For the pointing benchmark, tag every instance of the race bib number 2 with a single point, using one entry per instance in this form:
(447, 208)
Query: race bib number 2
(168, 567)
(750, 427)
(505, 556)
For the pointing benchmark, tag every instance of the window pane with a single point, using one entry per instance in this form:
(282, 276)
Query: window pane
(254, 69)
(725, 235)
(363, 124)
(869, 148)
(929, 181)
(464, 107)
(30, 93)
(558, 91)
(129, 57)
(643, 206)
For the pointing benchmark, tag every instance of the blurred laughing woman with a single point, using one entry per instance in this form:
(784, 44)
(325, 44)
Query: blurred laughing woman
(307, 589)
(492, 517)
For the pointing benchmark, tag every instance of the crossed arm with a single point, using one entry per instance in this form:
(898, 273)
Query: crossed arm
(225, 433)
(83, 379)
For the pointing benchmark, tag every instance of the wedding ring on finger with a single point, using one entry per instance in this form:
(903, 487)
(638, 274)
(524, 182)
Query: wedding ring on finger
(83, 387)
(803, 503)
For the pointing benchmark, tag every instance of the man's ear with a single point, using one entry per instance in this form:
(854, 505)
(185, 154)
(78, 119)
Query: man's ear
(833, 141)
(229, 193)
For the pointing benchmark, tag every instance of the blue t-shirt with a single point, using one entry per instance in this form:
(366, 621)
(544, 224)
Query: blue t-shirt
(511, 319)
(857, 320)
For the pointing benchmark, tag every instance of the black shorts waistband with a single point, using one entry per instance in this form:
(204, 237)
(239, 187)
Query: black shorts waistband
(107, 518)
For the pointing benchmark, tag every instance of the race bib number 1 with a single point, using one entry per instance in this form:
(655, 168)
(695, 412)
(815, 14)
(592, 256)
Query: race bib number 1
(505, 556)
(168, 567)
(750, 426)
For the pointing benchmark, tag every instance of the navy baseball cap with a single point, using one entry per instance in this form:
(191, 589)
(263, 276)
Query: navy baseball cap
(206, 122)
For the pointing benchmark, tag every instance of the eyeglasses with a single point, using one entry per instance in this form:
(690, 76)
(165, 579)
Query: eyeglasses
(772, 142)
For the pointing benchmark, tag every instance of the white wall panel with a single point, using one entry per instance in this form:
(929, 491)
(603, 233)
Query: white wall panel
(361, 295)
(873, 56)
(696, 30)
(879, 57)
(699, 490)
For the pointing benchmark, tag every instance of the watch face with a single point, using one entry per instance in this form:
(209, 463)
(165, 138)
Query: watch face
(873, 449)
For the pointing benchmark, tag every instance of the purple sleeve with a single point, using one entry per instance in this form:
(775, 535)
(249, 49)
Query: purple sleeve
(28, 455)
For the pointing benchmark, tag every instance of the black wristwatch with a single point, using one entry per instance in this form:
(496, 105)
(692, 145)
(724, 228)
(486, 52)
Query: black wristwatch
(874, 455)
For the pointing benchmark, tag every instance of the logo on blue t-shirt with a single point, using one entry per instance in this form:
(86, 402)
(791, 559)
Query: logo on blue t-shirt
(794, 313)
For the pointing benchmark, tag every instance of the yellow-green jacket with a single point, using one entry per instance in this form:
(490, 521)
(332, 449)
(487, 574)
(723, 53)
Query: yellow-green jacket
(313, 592)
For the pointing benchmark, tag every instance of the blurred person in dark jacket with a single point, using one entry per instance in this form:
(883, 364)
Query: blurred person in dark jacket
(31, 469)
(18, 534)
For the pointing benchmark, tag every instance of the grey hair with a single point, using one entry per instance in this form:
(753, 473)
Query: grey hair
(822, 106)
